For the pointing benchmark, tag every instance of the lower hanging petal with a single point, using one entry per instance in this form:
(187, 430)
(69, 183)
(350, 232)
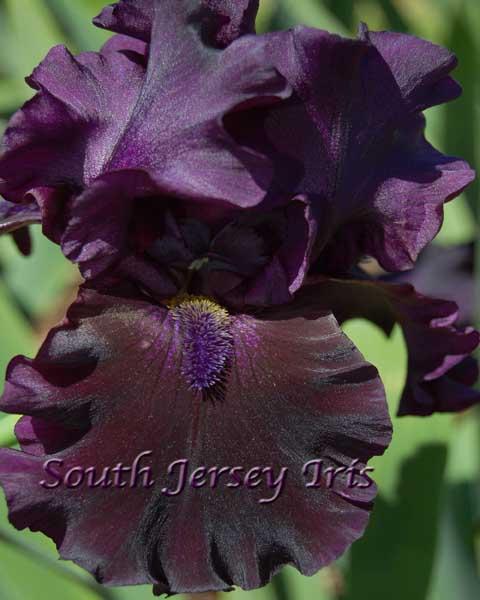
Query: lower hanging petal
(441, 372)
(445, 272)
(114, 387)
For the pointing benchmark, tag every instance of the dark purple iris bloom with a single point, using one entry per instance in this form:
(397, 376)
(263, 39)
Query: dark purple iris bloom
(210, 183)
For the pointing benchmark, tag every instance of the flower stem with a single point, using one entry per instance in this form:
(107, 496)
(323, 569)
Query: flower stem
(280, 586)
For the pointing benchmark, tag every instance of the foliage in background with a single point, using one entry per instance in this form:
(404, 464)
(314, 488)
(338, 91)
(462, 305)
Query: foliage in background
(423, 540)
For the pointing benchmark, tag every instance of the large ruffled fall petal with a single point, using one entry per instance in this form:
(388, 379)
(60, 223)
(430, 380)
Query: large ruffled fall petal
(122, 377)
(445, 272)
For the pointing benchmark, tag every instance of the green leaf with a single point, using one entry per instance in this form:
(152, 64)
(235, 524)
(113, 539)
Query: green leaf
(307, 588)
(311, 13)
(426, 18)
(39, 281)
(265, 16)
(21, 577)
(396, 21)
(29, 569)
(395, 558)
(75, 19)
(265, 593)
(140, 592)
(459, 225)
(16, 334)
(464, 452)
(7, 435)
(462, 115)
(389, 355)
(455, 574)
(32, 30)
(13, 93)
(343, 11)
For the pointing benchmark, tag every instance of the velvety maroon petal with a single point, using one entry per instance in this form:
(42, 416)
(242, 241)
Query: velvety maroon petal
(237, 17)
(376, 186)
(151, 276)
(294, 254)
(453, 391)
(110, 384)
(228, 19)
(15, 218)
(83, 225)
(440, 370)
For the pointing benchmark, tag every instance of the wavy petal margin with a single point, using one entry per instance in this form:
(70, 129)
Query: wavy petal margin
(108, 385)
(356, 129)
(441, 371)
(228, 19)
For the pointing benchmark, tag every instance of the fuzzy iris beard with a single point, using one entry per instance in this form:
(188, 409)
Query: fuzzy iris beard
(204, 327)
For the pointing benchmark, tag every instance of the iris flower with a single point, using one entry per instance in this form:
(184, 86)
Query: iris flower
(217, 189)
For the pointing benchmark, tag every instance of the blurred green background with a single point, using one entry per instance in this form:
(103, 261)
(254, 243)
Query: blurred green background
(423, 541)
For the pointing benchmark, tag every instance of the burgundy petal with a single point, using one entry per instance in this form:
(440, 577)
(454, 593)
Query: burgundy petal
(112, 382)
(377, 187)
(228, 19)
(15, 218)
(441, 372)
(256, 259)
(420, 69)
